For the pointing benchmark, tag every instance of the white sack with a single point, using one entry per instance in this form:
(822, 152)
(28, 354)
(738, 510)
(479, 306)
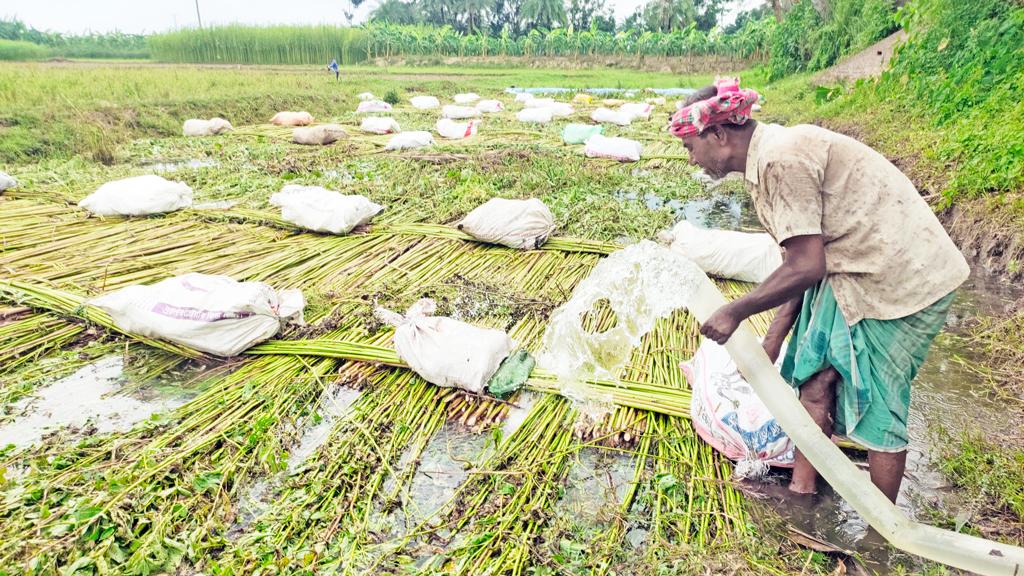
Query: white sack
(490, 106)
(424, 102)
(743, 256)
(447, 352)
(538, 102)
(560, 109)
(138, 196)
(535, 115)
(366, 96)
(415, 139)
(292, 119)
(609, 116)
(321, 210)
(459, 112)
(379, 125)
(524, 96)
(621, 149)
(728, 414)
(520, 224)
(321, 135)
(467, 98)
(211, 127)
(637, 110)
(456, 130)
(210, 313)
(220, 125)
(373, 106)
(7, 181)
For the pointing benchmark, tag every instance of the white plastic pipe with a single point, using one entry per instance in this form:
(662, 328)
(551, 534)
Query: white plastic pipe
(950, 548)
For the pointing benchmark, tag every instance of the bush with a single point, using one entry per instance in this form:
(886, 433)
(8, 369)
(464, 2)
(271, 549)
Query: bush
(92, 45)
(392, 98)
(963, 64)
(807, 41)
(18, 50)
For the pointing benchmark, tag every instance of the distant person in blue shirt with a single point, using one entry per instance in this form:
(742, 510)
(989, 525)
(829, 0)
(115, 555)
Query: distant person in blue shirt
(333, 67)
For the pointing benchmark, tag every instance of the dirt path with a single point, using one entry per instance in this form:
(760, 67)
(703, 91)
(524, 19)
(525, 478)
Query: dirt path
(864, 64)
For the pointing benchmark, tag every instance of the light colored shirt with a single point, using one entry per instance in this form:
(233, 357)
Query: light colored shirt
(886, 254)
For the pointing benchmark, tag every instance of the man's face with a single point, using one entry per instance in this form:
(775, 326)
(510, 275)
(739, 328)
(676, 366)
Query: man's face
(708, 151)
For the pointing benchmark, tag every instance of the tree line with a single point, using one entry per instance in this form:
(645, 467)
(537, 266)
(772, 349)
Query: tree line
(519, 17)
(92, 45)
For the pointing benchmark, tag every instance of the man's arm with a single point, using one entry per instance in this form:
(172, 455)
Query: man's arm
(780, 327)
(803, 267)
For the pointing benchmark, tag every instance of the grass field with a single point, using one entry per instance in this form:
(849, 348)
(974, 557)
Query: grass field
(59, 109)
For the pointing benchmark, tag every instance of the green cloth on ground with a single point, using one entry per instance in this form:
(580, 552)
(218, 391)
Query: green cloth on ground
(877, 360)
(512, 374)
(579, 133)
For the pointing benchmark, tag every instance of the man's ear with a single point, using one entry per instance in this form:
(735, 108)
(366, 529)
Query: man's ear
(718, 134)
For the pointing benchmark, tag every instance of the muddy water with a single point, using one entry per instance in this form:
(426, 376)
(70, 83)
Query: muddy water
(256, 497)
(945, 394)
(724, 211)
(90, 399)
(174, 166)
(443, 466)
(597, 484)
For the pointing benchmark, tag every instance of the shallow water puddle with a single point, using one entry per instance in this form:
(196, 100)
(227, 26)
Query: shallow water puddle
(256, 497)
(334, 404)
(443, 466)
(87, 397)
(719, 211)
(174, 166)
(596, 486)
(629, 92)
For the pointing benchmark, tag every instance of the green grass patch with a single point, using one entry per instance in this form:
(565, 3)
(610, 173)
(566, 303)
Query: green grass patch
(990, 473)
(12, 50)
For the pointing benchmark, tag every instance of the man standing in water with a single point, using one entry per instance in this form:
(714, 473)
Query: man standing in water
(867, 278)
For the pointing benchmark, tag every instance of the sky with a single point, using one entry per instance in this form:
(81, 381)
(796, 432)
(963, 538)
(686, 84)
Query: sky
(141, 16)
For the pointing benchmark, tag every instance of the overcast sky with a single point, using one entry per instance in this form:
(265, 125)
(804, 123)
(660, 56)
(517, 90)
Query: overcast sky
(156, 15)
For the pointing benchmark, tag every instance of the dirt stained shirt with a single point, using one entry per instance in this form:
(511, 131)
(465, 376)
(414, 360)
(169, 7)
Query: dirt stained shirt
(886, 254)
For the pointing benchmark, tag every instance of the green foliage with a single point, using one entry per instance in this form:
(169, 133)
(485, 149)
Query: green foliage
(806, 40)
(668, 15)
(544, 13)
(964, 65)
(392, 98)
(239, 44)
(989, 472)
(19, 50)
(790, 41)
(387, 40)
(397, 12)
(109, 45)
(960, 55)
(519, 17)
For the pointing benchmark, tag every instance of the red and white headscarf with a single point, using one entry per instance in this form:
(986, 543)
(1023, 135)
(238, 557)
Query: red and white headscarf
(731, 105)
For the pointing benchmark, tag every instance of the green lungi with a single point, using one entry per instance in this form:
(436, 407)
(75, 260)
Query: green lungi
(877, 360)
